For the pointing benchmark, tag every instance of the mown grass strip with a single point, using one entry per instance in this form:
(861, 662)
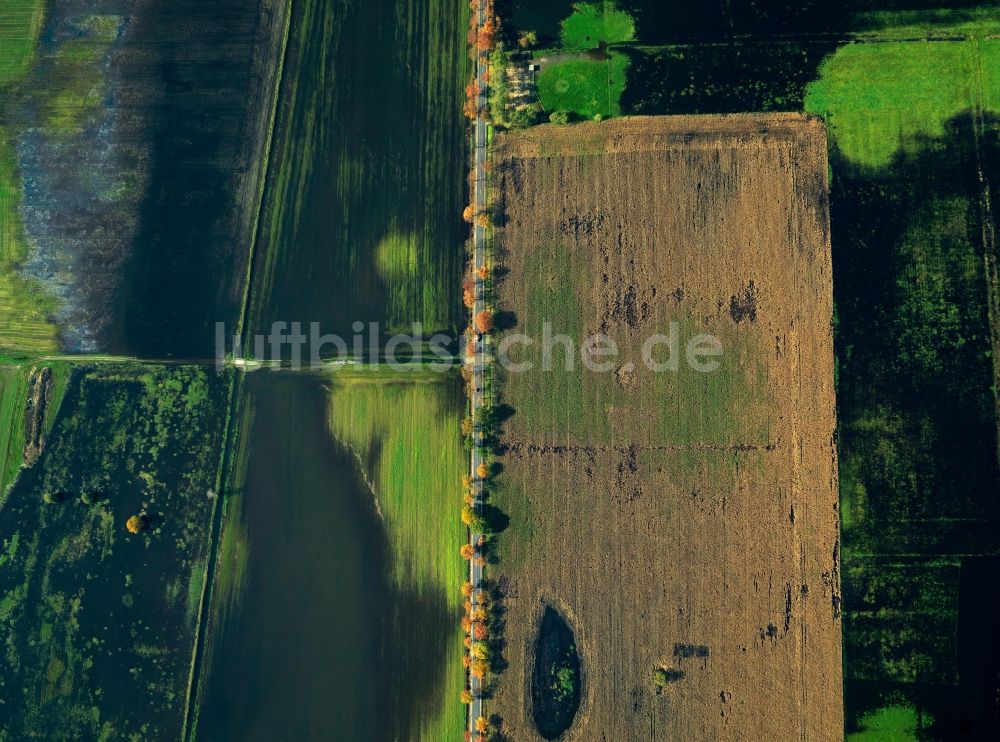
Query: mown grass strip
(20, 24)
(412, 430)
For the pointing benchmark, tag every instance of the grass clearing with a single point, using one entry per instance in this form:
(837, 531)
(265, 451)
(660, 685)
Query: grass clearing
(584, 87)
(595, 23)
(881, 98)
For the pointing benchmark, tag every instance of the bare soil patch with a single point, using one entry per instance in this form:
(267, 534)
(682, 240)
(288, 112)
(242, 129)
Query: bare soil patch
(685, 523)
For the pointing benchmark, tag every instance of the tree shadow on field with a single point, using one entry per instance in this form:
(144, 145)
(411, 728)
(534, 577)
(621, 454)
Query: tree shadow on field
(496, 519)
(505, 320)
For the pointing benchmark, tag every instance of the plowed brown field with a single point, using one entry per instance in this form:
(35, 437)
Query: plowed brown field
(680, 520)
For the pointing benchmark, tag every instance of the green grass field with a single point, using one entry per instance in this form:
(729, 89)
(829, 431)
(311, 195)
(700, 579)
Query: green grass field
(13, 391)
(20, 24)
(584, 87)
(880, 98)
(366, 198)
(407, 436)
(594, 23)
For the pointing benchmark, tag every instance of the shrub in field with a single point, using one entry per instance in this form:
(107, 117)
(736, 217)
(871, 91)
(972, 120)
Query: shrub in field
(559, 117)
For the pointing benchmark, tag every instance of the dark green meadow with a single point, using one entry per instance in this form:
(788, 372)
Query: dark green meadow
(362, 219)
(97, 623)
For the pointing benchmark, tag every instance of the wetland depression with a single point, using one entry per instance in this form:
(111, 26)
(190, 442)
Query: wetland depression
(324, 641)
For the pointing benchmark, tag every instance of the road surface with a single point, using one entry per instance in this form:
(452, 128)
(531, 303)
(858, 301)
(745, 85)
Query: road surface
(479, 357)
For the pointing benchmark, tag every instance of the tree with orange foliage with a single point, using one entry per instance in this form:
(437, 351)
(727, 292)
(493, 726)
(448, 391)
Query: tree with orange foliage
(467, 551)
(479, 613)
(482, 221)
(479, 668)
(482, 725)
(466, 696)
(468, 607)
(484, 321)
(469, 213)
(482, 471)
(470, 109)
(482, 273)
(468, 499)
(466, 624)
(466, 588)
(487, 36)
(467, 641)
(466, 661)
(466, 481)
(469, 299)
(480, 632)
(137, 523)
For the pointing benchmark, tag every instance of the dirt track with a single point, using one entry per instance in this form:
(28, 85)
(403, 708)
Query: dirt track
(679, 520)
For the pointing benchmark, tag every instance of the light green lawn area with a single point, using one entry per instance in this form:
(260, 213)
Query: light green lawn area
(584, 87)
(878, 98)
(20, 24)
(593, 23)
(889, 724)
(412, 431)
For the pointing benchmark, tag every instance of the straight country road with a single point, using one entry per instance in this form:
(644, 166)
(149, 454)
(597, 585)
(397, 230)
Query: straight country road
(479, 357)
